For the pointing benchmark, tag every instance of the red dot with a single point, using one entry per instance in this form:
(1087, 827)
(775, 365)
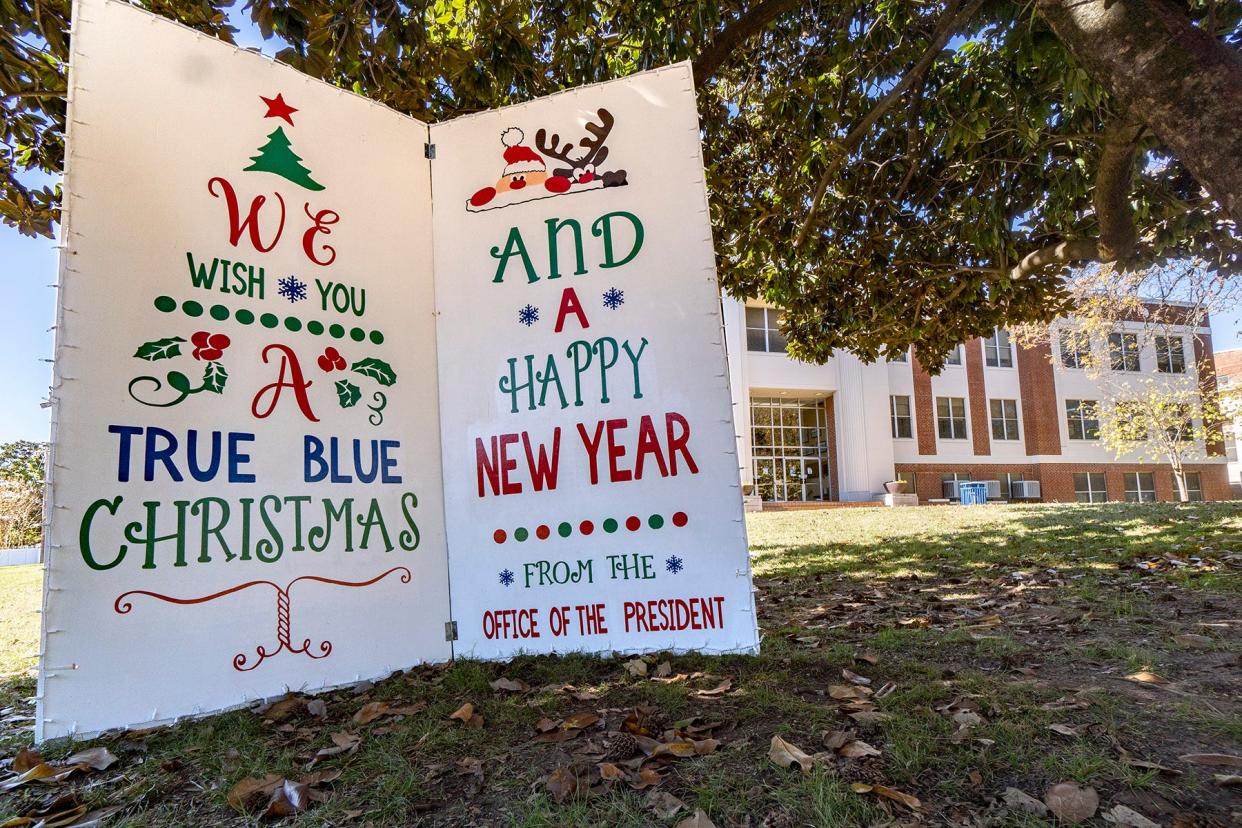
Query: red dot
(499, 536)
(586, 527)
(680, 518)
(543, 531)
(632, 523)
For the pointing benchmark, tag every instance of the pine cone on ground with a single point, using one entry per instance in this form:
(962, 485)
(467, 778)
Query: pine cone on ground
(619, 746)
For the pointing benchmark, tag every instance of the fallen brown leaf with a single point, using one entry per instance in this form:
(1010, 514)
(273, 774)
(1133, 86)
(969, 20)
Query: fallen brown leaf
(40, 771)
(98, 758)
(317, 708)
(785, 754)
(1212, 759)
(698, 819)
(561, 783)
(26, 759)
(636, 667)
(1072, 803)
(287, 799)
(507, 685)
(1147, 677)
(1127, 817)
(249, 794)
(857, 750)
(610, 772)
(1227, 779)
(663, 804)
(906, 799)
(1023, 801)
(1064, 730)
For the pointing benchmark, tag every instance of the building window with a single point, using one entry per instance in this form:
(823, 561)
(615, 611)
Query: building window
(789, 448)
(1170, 356)
(899, 356)
(1084, 422)
(1140, 487)
(1123, 351)
(1075, 350)
(951, 418)
(997, 350)
(1231, 444)
(1004, 420)
(1183, 431)
(899, 408)
(1194, 486)
(1007, 479)
(1089, 487)
(955, 356)
(763, 331)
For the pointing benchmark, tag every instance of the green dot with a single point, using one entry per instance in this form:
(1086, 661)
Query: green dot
(337, 331)
(357, 334)
(219, 313)
(244, 316)
(520, 534)
(655, 521)
(293, 323)
(269, 320)
(564, 530)
(165, 304)
(610, 525)
(377, 337)
(192, 308)
(315, 327)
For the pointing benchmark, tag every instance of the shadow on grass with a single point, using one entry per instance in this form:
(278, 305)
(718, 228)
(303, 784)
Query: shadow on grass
(946, 541)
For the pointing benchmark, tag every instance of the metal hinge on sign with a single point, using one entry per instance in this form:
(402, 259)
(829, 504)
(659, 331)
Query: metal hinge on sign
(450, 630)
(429, 151)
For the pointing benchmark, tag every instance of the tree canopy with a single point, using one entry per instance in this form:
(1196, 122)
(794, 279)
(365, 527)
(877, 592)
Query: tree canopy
(890, 172)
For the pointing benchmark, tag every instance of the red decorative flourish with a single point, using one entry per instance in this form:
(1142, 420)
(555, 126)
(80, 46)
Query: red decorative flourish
(122, 606)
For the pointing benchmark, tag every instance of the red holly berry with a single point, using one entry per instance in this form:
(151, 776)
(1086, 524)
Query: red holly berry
(200, 339)
(331, 360)
(220, 341)
(325, 364)
(208, 354)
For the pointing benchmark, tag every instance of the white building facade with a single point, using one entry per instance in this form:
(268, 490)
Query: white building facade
(997, 412)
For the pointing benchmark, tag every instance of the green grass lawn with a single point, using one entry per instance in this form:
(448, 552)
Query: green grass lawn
(970, 650)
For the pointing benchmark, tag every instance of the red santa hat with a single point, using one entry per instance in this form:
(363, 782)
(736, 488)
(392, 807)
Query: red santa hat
(519, 158)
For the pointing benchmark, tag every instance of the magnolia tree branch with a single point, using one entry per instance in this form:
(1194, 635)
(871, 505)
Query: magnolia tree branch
(1061, 253)
(735, 34)
(1114, 180)
(952, 20)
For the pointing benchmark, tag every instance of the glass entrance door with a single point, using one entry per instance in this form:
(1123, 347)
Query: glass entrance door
(789, 447)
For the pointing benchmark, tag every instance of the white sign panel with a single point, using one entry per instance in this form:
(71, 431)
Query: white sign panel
(247, 493)
(591, 475)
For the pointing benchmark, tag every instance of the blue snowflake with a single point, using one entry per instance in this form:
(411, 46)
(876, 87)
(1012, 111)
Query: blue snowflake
(506, 577)
(528, 315)
(292, 288)
(614, 298)
(674, 565)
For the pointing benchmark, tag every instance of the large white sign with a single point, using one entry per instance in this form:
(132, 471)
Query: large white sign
(269, 405)
(247, 491)
(591, 475)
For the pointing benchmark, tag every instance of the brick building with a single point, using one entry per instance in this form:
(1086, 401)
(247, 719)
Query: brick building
(997, 412)
(1229, 371)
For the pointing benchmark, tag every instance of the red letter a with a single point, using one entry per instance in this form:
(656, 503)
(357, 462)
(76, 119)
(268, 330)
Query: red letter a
(570, 305)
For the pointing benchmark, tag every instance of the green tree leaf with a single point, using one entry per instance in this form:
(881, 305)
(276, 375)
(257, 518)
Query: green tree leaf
(347, 393)
(214, 378)
(166, 348)
(376, 369)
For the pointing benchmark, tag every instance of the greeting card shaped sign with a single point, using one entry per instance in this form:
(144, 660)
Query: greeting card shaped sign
(247, 490)
(590, 458)
(247, 487)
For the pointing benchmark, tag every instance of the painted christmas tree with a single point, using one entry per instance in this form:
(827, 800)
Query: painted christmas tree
(276, 157)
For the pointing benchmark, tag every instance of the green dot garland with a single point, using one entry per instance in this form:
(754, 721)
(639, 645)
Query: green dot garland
(244, 316)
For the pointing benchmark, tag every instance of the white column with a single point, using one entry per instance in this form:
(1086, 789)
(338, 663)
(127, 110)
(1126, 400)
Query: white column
(734, 315)
(864, 439)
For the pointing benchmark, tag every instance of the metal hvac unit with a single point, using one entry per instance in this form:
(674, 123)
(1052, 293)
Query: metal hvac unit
(1024, 490)
(993, 489)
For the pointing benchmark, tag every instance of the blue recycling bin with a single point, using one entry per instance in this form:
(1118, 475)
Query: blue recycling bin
(973, 494)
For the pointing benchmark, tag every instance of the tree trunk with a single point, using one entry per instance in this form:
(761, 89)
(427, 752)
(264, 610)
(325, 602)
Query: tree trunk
(1183, 83)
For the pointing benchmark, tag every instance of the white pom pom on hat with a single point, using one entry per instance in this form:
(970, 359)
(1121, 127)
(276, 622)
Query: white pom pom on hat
(512, 136)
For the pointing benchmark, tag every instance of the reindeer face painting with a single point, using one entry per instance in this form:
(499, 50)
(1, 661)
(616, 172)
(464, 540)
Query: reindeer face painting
(526, 177)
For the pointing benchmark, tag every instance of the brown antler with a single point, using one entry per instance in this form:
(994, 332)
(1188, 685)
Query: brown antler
(554, 150)
(596, 151)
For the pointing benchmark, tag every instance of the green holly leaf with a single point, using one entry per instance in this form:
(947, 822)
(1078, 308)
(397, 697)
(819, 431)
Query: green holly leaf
(166, 348)
(214, 378)
(376, 369)
(347, 393)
